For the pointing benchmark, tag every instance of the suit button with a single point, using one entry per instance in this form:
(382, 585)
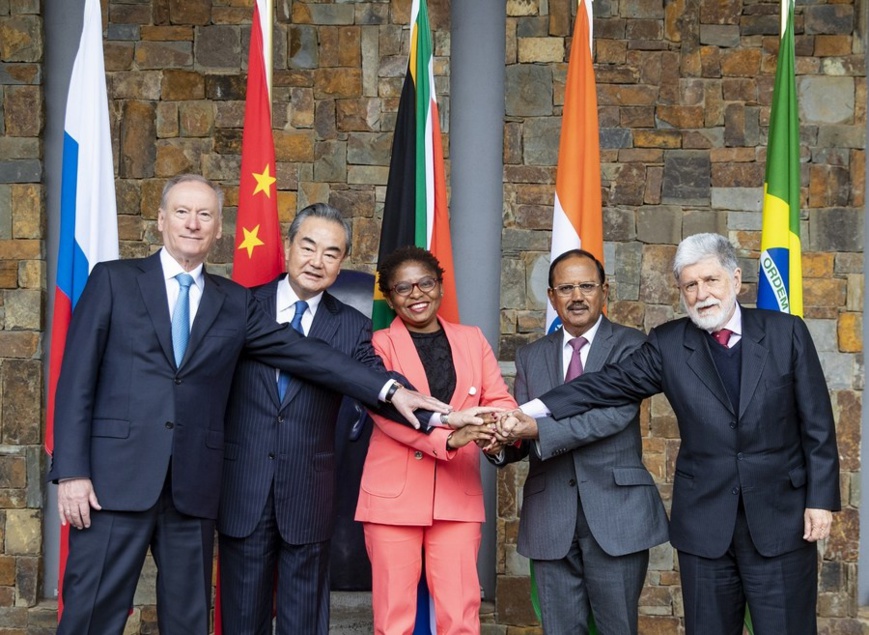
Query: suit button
(739, 456)
(733, 425)
(271, 455)
(280, 419)
(735, 490)
(572, 482)
(417, 455)
(169, 425)
(177, 381)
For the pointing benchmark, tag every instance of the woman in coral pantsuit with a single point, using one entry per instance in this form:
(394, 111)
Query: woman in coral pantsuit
(424, 491)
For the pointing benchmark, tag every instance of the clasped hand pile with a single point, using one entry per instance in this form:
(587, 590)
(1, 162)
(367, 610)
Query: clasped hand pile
(490, 428)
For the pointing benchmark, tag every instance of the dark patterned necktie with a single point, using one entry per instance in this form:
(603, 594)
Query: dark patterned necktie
(574, 368)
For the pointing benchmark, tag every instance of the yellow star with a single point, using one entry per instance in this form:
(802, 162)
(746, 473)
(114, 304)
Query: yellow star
(264, 182)
(250, 240)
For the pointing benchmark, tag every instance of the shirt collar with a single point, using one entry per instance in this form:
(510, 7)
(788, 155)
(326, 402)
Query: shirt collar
(286, 297)
(171, 268)
(588, 335)
(734, 324)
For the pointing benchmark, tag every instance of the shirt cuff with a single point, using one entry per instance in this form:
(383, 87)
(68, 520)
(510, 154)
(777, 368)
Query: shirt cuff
(535, 409)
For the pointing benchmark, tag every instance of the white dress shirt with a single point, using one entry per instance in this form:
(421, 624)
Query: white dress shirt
(171, 268)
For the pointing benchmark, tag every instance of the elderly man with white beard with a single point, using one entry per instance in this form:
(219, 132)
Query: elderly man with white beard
(757, 474)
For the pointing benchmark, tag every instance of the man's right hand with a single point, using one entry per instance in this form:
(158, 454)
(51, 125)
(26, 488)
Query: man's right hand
(75, 497)
(406, 401)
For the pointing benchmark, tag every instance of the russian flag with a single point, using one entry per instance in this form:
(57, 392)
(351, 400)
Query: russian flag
(88, 212)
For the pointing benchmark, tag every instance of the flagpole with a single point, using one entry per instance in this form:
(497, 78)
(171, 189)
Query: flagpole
(268, 50)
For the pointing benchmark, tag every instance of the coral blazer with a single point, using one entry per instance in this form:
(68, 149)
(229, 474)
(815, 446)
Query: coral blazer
(411, 478)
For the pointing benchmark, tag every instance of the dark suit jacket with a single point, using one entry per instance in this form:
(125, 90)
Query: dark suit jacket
(123, 409)
(598, 453)
(778, 452)
(290, 444)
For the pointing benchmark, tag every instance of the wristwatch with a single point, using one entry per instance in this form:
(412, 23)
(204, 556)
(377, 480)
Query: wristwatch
(394, 388)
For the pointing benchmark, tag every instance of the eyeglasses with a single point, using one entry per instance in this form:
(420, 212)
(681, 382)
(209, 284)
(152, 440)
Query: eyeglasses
(423, 284)
(712, 283)
(585, 288)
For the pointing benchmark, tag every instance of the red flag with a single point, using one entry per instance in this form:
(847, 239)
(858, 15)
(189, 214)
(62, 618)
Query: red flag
(258, 256)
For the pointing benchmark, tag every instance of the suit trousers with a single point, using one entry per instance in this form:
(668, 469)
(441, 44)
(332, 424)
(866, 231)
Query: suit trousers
(252, 567)
(589, 579)
(451, 549)
(106, 559)
(781, 591)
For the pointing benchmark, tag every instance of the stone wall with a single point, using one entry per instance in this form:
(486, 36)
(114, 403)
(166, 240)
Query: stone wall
(684, 91)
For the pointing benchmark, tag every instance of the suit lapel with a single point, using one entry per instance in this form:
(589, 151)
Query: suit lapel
(754, 355)
(209, 308)
(152, 286)
(266, 295)
(323, 327)
(553, 358)
(459, 346)
(700, 361)
(600, 347)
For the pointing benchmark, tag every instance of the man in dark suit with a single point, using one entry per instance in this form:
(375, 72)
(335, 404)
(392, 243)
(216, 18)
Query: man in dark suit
(141, 400)
(757, 474)
(590, 509)
(277, 505)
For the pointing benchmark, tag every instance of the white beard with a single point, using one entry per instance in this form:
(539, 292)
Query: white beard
(711, 321)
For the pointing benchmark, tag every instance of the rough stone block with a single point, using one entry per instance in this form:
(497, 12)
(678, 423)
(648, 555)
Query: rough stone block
(21, 38)
(340, 46)
(23, 309)
(27, 218)
(512, 601)
(23, 110)
(123, 32)
(660, 224)
(196, 119)
(20, 73)
(330, 161)
(137, 140)
(829, 19)
(294, 146)
(337, 83)
(686, 178)
(367, 175)
(191, 12)
(528, 91)
(218, 47)
(369, 148)
(182, 85)
(540, 140)
(302, 46)
(358, 114)
(136, 85)
(540, 50)
(836, 230)
(825, 100)
(27, 579)
(23, 532)
(129, 13)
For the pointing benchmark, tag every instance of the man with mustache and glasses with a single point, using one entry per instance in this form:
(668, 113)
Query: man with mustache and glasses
(757, 474)
(591, 510)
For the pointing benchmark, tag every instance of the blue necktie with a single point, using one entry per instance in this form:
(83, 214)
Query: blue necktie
(181, 317)
(296, 323)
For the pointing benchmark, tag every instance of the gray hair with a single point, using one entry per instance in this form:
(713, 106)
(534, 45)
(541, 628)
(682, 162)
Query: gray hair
(192, 178)
(701, 246)
(321, 210)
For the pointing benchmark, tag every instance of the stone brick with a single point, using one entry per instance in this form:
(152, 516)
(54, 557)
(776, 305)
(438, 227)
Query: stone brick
(294, 146)
(848, 407)
(303, 46)
(137, 138)
(337, 83)
(340, 46)
(301, 107)
(829, 19)
(23, 309)
(667, 139)
(27, 582)
(129, 13)
(836, 229)
(353, 203)
(358, 114)
(528, 90)
(627, 188)
(181, 85)
(512, 600)
(27, 219)
(192, 12)
(8, 274)
(20, 148)
(118, 55)
(681, 116)
(7, 570)
(23, 111)
(218, 47)
(325, 119)
(367, 175)
(686, 178)
(21, 39)
(160, 55)
(330, 161)
(21, 249)
(331, 14)
(20, 73)
(167, 120)
(166, 33)
(196, 119)
(826, 99)
(657, 284)
(662, 224)
(518, 8)
(850, 332)
(369, 148)
(540, 140)
(23, 532)
(540, 50)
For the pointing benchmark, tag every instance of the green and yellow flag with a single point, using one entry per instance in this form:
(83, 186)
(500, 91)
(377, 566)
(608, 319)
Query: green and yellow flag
(780, 281)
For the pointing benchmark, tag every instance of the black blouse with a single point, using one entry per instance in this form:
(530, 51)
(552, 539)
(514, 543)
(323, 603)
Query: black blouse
(437, 360)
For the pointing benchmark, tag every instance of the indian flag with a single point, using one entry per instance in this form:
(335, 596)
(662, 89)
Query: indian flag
(577, 221)
(780, 283)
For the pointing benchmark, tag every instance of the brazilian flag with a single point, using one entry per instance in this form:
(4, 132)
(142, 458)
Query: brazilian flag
(780, 281)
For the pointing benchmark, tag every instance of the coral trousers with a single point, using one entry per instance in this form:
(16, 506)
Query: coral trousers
(450, 549)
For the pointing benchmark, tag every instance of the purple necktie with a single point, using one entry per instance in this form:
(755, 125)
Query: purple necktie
(722, 336)
(574, 368)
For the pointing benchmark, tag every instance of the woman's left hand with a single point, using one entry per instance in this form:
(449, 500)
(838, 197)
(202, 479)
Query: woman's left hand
(463, 436)
(476, 416)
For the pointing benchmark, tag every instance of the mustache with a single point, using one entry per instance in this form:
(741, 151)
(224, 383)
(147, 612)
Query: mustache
(577, 305)
(707, 303)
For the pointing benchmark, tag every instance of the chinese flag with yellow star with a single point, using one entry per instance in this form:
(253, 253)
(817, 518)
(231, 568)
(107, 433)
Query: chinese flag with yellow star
(258, 245)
